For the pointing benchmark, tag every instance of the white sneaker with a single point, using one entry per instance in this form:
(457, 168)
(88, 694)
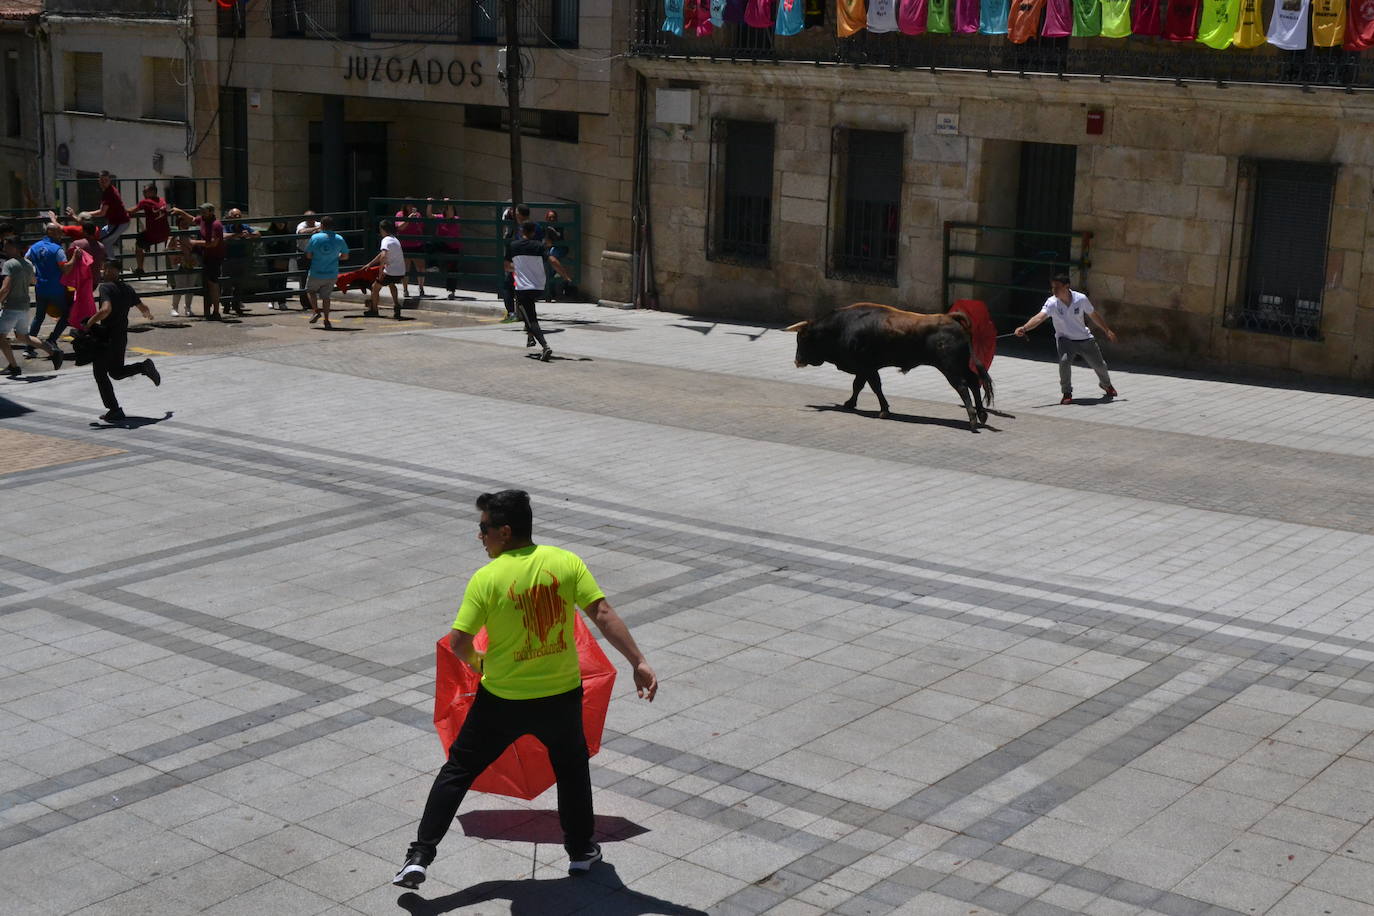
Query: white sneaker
(175, 313)
(583, 863)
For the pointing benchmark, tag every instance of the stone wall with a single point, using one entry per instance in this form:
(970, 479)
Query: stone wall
(1160, 189)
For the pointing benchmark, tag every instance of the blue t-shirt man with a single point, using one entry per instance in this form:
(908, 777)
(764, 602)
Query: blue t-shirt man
(47, 258)
(324, 249)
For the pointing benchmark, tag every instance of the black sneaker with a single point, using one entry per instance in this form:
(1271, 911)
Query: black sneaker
(580, 865)
(546, 355)
(30, 353)
(112, 416)
(412, 873)
(14, 371)
(151, 371)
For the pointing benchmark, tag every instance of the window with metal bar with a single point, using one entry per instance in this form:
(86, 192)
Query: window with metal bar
(869, 213)
(85, 82)
(1290, 225)
(742, 192)
(14, 106)
(233, 146)
(164, 92)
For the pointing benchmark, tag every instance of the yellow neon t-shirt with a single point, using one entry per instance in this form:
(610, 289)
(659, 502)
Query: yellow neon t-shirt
(526, 599)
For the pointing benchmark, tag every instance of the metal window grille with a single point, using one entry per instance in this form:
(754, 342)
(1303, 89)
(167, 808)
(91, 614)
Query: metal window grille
(869, 165)
(86, 83)
(741, 194)
(1290, 226)
(165, 98)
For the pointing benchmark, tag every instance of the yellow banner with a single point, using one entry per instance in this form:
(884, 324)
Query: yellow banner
(1250, 28)
(1328, 23)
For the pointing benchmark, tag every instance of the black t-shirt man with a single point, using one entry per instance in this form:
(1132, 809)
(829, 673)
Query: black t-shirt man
(122, 297)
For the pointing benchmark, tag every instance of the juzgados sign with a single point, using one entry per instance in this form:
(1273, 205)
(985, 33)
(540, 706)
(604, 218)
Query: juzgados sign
(431, 72)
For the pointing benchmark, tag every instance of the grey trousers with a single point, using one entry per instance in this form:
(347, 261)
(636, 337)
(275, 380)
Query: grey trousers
(1087, 349)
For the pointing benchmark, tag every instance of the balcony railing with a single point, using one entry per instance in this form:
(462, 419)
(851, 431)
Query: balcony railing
(541, 22)
(121, 9)
(1098, 58)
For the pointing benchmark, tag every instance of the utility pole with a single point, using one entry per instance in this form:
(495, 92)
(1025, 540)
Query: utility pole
(514, 73)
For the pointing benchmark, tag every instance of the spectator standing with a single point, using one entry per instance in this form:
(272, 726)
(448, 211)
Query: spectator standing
(391, 257)
(526, 599)
(14, 307)
(210, 247)
(182, 265)
(278, 244)
(556, 241)
(306, 228)
(50, 264)
(410, 227)
(525, 260)
(116, 299)
(238, 258)
(157, 228)
(111, 211)
(447, 232)
(324, 251)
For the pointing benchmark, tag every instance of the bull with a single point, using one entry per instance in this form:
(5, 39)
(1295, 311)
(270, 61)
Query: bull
(862, 338)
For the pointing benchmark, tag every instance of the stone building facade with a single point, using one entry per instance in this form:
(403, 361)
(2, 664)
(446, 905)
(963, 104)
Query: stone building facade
(1165, 177)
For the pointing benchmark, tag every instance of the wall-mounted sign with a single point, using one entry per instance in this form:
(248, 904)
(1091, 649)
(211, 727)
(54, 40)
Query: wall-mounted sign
(947, 122)
(375, 68)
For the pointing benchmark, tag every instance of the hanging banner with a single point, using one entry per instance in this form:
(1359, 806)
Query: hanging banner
(882, 16)
(966, 16)
(1250, 28)
(696, 18)
(1328, 23)
(1180, 21)
(850, 17)
(939, 17)
(1023, 23)
(911, 16)
(1087, 18)
(1146, 19)
(992, 16)
(758, 14)
(672, 16)
(1218, 26)
(1359, 31)
(1288, 24)
(1058, 19)
(1116, 18)
(717, 13)
(791, 17)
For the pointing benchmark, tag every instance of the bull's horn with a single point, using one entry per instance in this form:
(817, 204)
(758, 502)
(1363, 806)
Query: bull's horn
(796, 328)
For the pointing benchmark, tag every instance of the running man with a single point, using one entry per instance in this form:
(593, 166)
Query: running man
(525, 258)
(392, 259)
(116, 299)
(14, 314)
(1071, 311)
(324, 251)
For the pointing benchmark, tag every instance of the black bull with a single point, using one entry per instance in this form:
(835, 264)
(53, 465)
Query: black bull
(862, 338)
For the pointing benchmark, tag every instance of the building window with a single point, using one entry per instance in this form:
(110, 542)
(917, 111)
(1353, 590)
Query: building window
(14, 118)
(233, 147)
(547, 125)
(741, 193)
(85, 82)
(1290, 223)
(164, 90)
(867, 219)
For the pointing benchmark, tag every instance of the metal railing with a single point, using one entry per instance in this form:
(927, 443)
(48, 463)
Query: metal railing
(1019, 260)
(541, 22)
(1097, 58)
(187, 193)
(481, 245)
(123, 9)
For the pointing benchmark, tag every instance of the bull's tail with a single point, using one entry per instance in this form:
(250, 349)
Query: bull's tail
(979, 376)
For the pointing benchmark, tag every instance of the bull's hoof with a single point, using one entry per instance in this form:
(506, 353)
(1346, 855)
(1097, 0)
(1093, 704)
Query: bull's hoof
(849, 405)
(884, 415)
(983, 417)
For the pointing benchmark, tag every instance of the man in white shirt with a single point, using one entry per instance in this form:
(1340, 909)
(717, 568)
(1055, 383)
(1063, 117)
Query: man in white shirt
(1071, 311)
(392, 259)
(305, 229)
(525, 259)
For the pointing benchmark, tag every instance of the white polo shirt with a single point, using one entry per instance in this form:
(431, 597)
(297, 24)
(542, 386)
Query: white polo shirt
(1070, 320)
(394, 264)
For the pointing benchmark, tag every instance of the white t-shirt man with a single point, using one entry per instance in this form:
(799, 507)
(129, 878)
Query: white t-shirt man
(1071, 319)
(394, 264)
(304, 230)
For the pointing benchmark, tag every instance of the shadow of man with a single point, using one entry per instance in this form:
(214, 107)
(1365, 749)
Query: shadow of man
(602, 890)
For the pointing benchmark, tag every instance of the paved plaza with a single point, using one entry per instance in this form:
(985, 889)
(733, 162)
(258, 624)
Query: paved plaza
(1105, 658)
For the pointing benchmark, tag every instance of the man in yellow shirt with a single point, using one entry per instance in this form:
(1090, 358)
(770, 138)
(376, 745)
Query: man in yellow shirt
(531, 680)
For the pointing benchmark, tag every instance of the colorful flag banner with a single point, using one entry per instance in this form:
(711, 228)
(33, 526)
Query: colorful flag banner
(1023, 23)
(1058, 19)
(1359, 30)
(1116, 18)
(1250, 28)
(717, 13)
(911, 16)
(966, 15)
(992, 16)
(1087, 18)
(1288, 24)
(1181, 20)
(939, 18)
(882, 16)
(791, 17)
(672, 16)
(1328, 23)
(758, 14)
(850, 17)
(1218, 26)
(1146, 18)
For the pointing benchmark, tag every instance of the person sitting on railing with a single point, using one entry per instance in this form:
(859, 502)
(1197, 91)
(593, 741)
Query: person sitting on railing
(111, 210)
(158, 230)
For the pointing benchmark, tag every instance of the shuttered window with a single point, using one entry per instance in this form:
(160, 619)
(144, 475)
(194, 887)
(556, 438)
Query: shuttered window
(85, 82)
(1289, 229)
(741, 195)
(165, 97)
(869, 167)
